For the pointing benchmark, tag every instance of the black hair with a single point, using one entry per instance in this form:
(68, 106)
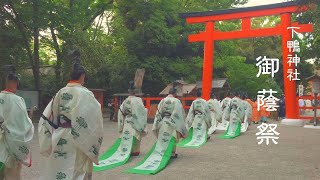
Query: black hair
(199, 92)
(131, 87)
(246, 95)
(213, 96)
(77, 69)
(173, 91)
(11, 73)
(238, 94)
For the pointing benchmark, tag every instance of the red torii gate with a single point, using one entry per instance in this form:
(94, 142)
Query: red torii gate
(245, 14)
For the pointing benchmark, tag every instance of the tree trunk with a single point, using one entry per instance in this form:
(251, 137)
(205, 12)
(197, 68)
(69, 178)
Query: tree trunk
(17, 20)
(59, 56)
(36, 59)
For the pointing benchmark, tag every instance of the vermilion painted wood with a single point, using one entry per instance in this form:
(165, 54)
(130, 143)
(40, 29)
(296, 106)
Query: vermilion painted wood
(257, 13)
(210, 35)
(208, 61)
(248, 33)
(307, 97)
(307, 118)
(289, 86)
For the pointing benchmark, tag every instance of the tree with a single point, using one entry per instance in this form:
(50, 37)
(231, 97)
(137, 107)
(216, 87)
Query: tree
(18, 14)
(312, 40)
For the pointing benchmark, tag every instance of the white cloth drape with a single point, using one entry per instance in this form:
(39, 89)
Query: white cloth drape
(71, 152)
(16, 131)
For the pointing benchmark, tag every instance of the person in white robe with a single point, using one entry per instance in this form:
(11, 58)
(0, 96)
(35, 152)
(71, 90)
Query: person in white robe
(237, 114)
(16, 130)
(132, 117)
(308, 104)
(225, 108)
(71, 130)
(169, 127)
(199, 114)
(247, 115)
(132, 123)
(215, 113)
(170, 117)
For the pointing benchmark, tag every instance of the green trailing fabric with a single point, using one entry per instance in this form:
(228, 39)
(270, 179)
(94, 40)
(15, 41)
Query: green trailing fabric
(228, 135)
(117, 155)
(157, 158)
(1, 167)
(1, 170)
(187, 139)
(196, 138)
(198, 121)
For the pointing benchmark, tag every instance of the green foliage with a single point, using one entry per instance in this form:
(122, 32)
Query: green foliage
(242, 77)
(115, 37)
(312, 40)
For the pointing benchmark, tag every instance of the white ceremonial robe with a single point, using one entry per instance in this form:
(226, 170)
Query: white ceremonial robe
(216, 114)
(225, 107)
(308, 104)
(16, 133)
(71, 152)
(132, 117)
(237, 113)
(175, 119)
(248, 111)
(247, 115)
(201, 106)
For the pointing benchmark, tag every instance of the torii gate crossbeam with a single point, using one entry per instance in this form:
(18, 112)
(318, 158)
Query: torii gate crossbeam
(245, 14)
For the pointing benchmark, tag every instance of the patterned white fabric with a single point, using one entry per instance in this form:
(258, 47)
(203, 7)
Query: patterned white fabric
(133, 112)
(247, 117)
(225, 107)
(16, 131)
(216, 114)
(198, 105)
(71, 151)
(236, 115)
(170, 111)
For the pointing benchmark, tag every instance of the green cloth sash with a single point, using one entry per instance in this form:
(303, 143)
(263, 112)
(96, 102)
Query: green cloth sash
(236, 133)
(196, 138)
(117, 155)
(1, 167)
(157, 158)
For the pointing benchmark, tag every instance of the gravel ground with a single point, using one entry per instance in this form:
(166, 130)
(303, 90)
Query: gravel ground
(296, 156)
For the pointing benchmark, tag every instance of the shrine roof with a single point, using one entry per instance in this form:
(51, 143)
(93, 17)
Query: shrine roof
(239, 10)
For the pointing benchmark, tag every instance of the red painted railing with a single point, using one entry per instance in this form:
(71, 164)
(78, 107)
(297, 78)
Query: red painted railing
(305, 108)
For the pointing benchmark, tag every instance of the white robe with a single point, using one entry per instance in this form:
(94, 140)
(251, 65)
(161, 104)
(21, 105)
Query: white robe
(225, 106)
(216, 114)
(174, 107)
(237, 113)
(16, 131)
(248, 111)
(132, 117)
(308, 104)
(71, 152)
(202, 106)
(247, 115)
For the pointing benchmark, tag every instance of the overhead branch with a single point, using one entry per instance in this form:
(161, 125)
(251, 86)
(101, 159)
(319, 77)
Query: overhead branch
(96, 14)
(15, 17)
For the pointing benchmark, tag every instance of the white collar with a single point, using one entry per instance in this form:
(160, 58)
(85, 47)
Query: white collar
(74, 85)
